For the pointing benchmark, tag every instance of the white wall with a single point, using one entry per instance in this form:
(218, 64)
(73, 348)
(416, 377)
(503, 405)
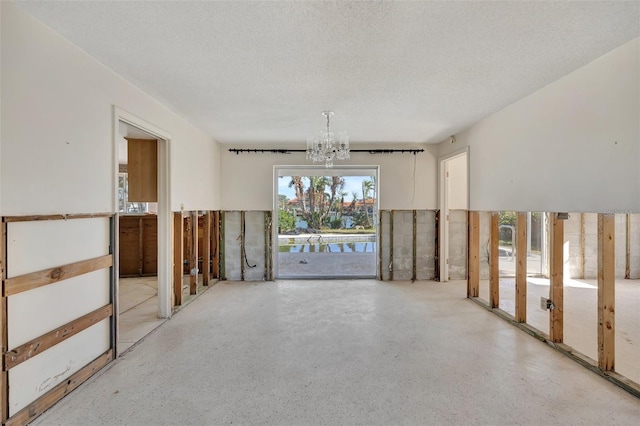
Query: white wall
(57, 129)
(247, 178)
(571, 146)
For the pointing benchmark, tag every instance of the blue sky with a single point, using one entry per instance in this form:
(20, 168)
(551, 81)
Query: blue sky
(352, 184)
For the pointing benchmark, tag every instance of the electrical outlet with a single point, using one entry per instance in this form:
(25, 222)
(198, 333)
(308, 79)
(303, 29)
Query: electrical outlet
(546, 304)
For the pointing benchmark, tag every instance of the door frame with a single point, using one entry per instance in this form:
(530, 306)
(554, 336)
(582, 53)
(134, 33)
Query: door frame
(165, 233)
(309, 170)
(443, 190)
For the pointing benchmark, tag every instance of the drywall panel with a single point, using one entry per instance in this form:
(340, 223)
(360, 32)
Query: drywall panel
(34, 246)
(572, 146)
(573, 248)
(36, 376)
(620, 233)
(425, 244)
(406, 181)
(57, 128)
(457, 184)
(36, 312)
(457, 244)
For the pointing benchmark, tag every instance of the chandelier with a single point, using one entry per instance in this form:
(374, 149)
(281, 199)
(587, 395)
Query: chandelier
(325, 147)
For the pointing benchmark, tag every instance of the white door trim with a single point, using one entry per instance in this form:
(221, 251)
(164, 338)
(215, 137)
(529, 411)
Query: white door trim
(443, 198)
(165, 234)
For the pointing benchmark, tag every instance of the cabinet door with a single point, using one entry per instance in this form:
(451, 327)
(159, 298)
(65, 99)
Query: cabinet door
(142, 167)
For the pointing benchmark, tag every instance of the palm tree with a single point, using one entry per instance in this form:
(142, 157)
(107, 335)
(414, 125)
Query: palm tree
(298, 185)
(367, 188)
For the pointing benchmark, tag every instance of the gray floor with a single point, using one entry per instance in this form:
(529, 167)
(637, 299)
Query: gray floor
(342, 352)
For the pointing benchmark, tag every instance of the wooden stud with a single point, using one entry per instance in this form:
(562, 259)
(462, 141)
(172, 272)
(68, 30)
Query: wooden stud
(33, 280)
(473, 258)
(606, 291)
(193, 258)
(494, 261)
(223, 274)
(521, 267)
(113, 289)
(265, 274)
(215, 242)
(178, 259)
(4, 336)
(436, 254)
(34, 218)
(243, 253)
(40, 405)
(627, 258)
(380, 276)
(556, 289)
(582, 244)
(391, 245)
(40, 344)
(206, 248)
(270, 245)
(415, 245)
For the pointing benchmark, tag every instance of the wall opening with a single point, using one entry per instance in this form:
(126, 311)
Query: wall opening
(326, 222)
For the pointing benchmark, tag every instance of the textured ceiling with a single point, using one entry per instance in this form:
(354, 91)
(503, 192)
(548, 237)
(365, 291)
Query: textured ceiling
(392, 71)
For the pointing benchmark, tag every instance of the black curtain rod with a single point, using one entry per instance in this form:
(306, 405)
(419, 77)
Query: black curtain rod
(289, 151)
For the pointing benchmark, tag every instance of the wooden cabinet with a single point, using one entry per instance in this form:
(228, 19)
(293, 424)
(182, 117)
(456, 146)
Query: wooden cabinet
(142, 167)
(138, 245)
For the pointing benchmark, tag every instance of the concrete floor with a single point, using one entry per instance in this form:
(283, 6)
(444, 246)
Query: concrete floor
(581, 316)
(342, 352)
(138, 309)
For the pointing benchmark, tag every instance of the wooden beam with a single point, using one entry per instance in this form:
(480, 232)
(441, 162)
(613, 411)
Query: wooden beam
(556, 289)
(206, 248)
(391, 245)
(140, 247)
(521, 267)
(223, 274)
(627, 258)
(193, 258)
(40, 344)
(178, 263)
(606, 291)
(473, 259)
(242, 248)
(4, 335)
(34, 218)
(380, 235)
(40, 405)
(215, 242)
(415, 246)
(494, 261)
(33, 280)
(582, 244)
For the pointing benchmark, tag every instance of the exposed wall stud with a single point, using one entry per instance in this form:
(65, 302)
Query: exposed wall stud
(391, 245)
(606, 291)
(215, 243)
(223, 275)
(380, 266)
(436, 254)
(242, 248)
(582, 244)
(521, 267)
(473, 259)
(494, 261)
(556, 290)
(627, 269)
(193, 258)
(206, 248)
(4, 337)
(415, 244)
(178, 257)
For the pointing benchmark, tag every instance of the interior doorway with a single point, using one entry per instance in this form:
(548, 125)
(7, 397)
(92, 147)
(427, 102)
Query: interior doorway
(454, 204)
(143, 237)
(326, 222)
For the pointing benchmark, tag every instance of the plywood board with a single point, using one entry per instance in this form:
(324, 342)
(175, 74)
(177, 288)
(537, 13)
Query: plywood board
(35, 246)
(142, 168)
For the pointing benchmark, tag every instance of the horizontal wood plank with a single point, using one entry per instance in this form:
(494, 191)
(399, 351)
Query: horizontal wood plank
(33, 280)
(34, 218)
(40, 344)
(40, 405)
